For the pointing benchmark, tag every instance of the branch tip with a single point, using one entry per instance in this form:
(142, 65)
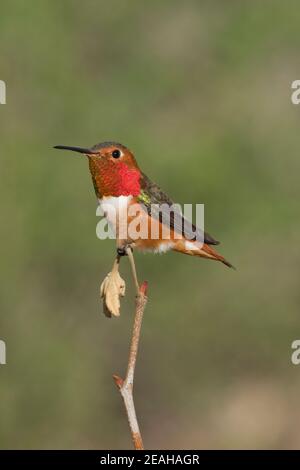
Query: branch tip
(144, 288)
(118, 381)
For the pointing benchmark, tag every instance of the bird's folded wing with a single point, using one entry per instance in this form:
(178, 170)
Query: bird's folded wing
(157, 204)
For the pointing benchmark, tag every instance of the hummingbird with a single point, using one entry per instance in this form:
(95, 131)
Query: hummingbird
(118, 181)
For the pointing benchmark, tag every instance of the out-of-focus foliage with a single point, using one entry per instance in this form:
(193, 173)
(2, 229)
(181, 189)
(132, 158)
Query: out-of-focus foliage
(201, 92)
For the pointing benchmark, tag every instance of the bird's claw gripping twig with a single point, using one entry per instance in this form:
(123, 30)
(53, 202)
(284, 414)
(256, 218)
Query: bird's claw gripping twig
(121, 251)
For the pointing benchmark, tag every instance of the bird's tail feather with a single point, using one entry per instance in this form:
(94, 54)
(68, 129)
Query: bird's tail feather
(194, 248)
(209, 252)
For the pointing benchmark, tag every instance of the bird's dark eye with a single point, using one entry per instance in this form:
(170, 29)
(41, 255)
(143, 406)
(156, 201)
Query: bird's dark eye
(116, 153)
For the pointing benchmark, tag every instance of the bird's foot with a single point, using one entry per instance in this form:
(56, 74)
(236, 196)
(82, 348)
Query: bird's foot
(122, 251)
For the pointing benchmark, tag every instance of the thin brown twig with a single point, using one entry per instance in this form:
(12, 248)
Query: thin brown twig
(126, 386)
(133, 270)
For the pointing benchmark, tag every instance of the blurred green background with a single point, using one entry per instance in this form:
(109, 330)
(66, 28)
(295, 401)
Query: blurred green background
(200, 91)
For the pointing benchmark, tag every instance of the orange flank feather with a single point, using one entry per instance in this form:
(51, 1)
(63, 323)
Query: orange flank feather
(174, 242)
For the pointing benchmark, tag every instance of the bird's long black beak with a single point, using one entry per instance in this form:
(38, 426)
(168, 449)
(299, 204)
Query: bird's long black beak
(75, 149)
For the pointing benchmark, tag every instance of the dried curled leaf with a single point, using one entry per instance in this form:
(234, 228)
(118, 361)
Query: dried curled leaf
(112, 288)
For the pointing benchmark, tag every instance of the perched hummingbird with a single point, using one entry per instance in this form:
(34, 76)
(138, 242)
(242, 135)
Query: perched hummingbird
(118, 181)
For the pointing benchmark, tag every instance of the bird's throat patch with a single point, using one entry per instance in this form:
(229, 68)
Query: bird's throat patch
(114, 179)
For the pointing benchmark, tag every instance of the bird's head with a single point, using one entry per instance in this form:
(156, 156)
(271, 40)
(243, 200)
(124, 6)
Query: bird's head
(113, 167)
